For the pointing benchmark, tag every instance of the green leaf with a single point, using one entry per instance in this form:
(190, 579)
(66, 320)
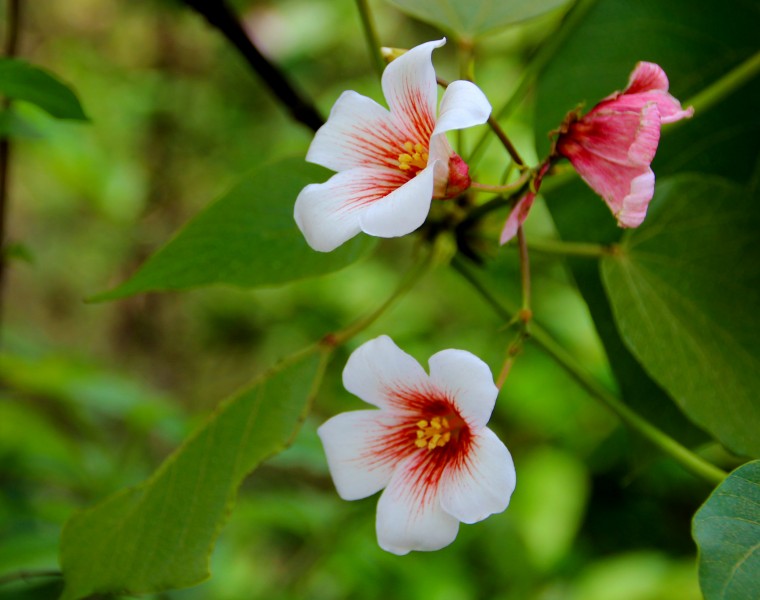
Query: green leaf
(248, 238)
(22, 81)
(159, 535)
(471, 19)
(684, 289)
(727, 532)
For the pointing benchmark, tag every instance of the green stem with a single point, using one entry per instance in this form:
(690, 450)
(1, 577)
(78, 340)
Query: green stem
(726, 85)
(548, 246)
(24, 575)
(526, 312)
(370, 33)
(690, 461)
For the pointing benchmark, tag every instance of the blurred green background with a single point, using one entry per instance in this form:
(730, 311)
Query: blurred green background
(94, 396)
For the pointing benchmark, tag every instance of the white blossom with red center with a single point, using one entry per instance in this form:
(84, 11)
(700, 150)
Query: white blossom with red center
(428, 445)
(613, 145)
(390, 164)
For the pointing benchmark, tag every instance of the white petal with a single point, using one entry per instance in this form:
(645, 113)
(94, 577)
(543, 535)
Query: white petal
(329, 213)
(359, 132)
(463, 105)
(406, 522)
(410, 87)
(483, 485)
(351, 442)
(467, 380)
(403, 210)
(377, 367)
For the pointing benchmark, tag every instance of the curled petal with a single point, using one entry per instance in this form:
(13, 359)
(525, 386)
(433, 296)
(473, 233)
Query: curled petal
(403, 210)
(483, 485)
(467, 379)
(358, 133)
(378, 366)
(404, 523)
(348, 439)
(634, 206)
(410, 87)
(328, 214)
(647, 77)
(517, 217)
(463, 105)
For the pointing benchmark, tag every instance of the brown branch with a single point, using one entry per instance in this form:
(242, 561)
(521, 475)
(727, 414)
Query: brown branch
(219, 14)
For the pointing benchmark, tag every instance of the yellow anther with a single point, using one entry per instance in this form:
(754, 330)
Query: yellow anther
(432, 434)
(409, 146)
(415, 157)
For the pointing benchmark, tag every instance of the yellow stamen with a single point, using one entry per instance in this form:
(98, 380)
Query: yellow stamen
(433, 434)
(415, 157)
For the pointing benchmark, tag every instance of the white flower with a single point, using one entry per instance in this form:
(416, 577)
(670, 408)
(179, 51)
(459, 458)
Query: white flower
(390, 164)
(428, 445)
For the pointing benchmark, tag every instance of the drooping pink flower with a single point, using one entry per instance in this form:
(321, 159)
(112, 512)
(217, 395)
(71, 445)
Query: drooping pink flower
(613, 145)
(427, 445)
(390, 163)
(521, 209)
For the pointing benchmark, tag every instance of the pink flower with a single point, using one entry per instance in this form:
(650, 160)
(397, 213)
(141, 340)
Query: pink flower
(520, 210)
(390, 163)
(427, 445)
(613, 145)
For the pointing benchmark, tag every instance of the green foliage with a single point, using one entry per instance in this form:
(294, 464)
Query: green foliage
(22, 81)
(247, 239)
(473, 19)
(727, 530)
(159, 535)
(684, 288)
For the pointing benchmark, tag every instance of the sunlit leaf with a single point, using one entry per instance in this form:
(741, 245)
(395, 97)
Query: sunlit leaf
(684, 289)
(727, 532)
(468, 20)
(22, 81)
(159, 535)
(247, 238)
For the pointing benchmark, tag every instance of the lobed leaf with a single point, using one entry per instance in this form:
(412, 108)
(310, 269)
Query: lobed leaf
(472, 19)
(247, 238)
(158, 535)
(21, 81)
(684, 289)
(727, 531)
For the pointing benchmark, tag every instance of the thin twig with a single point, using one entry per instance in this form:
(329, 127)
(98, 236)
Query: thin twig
(10, 48)
(219, 14)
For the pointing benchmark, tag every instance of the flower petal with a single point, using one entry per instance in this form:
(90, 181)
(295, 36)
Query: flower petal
(348, 439)
(467, 380)
(645, 77)
(359, 132)
(634, 206)
(410, 88)
(483, 485)
(404, 209)
(517, 217)
(379, 366)
(463, 105)
(328, 214)
(404, 523)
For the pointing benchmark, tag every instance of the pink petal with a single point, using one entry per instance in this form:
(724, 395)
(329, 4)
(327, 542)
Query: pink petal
(517, 217)
(404, 209)
(647, 76)
(358, 133)
(635, 204)
(377, 368)
(328, 214)
(405, 523)
(467, 380)
(463, 105)
(483, 485)
(349, 439)
(410, 88)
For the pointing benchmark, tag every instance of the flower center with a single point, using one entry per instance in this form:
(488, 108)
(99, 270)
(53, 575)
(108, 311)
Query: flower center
(435, 433)
(414, 159)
